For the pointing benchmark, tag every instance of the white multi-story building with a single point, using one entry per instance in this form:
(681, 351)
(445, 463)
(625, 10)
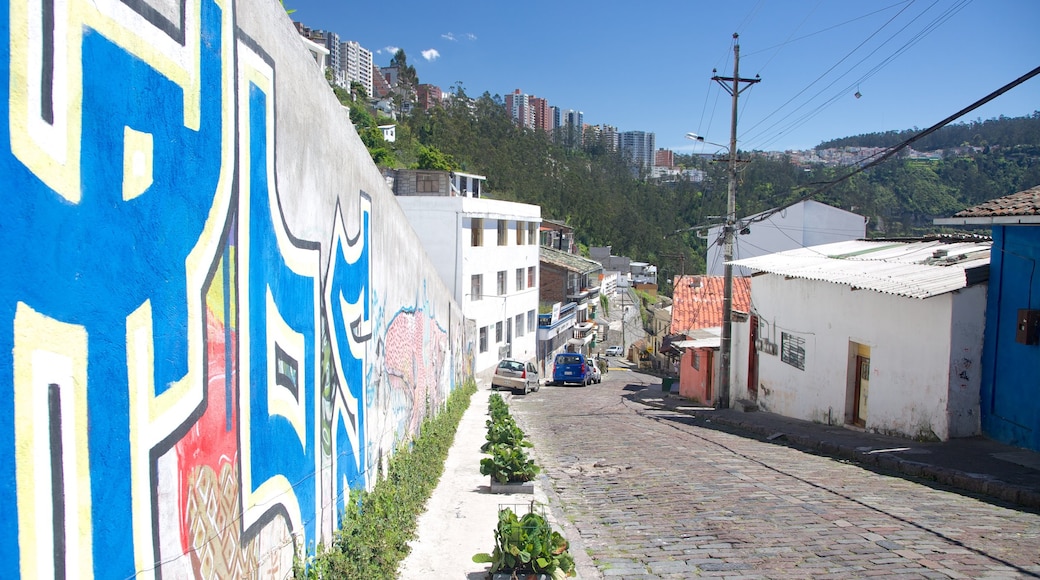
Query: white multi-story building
(806, 223)
(356, 64)
(486, 251)
(638, 148)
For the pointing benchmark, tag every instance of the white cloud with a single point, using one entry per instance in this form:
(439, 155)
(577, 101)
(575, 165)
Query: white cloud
(390, 49)
(471, 36)
(449, 36)
(431, 54)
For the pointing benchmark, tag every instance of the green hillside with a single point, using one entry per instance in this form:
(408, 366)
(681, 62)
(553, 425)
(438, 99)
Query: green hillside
(593, 190)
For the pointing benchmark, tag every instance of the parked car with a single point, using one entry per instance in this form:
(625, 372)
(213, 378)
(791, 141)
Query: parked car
(571, 367)
(615, 350)
(595, 376)
(516, 376)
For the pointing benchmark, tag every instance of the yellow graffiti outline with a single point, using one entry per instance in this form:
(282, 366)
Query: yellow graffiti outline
(52, 152)
(276, 490)
(137, 162)
(46, 349)
(279, 400)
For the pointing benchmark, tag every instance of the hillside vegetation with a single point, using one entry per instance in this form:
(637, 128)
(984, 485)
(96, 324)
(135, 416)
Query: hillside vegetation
(593, 190)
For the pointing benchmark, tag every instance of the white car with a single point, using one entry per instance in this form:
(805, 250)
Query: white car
(594, 375)
(515, 375)
(614, 350)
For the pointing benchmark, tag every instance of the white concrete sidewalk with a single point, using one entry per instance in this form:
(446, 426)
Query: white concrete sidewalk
(462, 513)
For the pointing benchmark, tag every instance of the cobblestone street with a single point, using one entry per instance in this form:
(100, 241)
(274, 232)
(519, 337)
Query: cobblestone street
(651, 495)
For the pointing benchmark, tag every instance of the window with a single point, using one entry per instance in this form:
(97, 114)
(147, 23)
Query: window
(532, 316)
(502, 239)
(532, 233)
(476, 232)
(483, 339)
(519, 324)
(695, 359)
(498, 331)
(530, 277)
(426, 183)
(792, 350)
(501, 282)
(519, 279)
(476, 283)
(520, 231)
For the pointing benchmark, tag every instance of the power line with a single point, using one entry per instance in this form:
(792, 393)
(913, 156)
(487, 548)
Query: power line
(892, 151)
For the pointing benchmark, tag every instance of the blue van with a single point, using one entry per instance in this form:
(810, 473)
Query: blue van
(571, 367)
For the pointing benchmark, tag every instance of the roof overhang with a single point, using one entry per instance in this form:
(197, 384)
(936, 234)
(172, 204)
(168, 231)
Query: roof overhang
(709, 342)
(996, 220)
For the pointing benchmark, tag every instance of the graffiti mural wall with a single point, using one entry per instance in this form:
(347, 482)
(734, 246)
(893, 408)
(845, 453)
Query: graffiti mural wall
(214, 319)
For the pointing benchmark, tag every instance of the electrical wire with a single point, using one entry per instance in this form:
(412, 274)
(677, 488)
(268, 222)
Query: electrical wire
(825, 73)
(928, 29)
(897, 148)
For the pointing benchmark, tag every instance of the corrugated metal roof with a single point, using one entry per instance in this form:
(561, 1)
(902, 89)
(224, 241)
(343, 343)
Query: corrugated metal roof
(568, 261)
(919, 269)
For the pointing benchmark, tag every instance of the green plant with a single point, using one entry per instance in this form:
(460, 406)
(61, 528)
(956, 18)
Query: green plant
(508, 464)
(504, 432)
(378, 524)
(497, 407)
(528, 545)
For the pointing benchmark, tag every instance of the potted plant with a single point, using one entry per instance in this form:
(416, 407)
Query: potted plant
(526, 548)
(511, 470)
(504, 432)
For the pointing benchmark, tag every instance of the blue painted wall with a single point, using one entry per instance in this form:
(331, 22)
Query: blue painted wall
(214, 319)
(1010, 390)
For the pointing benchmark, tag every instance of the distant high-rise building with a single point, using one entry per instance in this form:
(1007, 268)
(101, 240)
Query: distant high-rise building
(429, 96)
(314, 40)
(356, 64)
(638, 148)
(664, 158)
(519, 107)
(605, 136)
(572, 123)
(543, 119)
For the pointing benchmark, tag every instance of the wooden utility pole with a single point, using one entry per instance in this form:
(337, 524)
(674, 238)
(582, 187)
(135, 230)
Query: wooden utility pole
(726, 341)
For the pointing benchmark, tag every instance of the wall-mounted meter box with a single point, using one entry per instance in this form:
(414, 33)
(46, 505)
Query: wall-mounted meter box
(1028, 327)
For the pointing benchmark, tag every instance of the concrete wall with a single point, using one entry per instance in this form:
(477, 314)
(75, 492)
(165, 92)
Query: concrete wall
(1009, 388)
(699, 383)
(215, 319)
(806, 224)
(910, 355)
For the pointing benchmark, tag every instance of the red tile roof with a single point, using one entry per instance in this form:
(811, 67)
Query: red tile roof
(697, 301)
(1022, 203)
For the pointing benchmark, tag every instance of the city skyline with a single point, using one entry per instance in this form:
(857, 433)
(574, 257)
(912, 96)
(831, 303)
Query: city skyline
(827, 72)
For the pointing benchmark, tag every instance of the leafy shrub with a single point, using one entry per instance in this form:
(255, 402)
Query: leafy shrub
(528, 545)
(508, 464)
(377, 525)
(504, 432)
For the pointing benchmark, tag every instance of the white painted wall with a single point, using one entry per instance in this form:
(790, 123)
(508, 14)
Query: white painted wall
(809, 223)
(967, 334)
(443, 224)
(910, 366)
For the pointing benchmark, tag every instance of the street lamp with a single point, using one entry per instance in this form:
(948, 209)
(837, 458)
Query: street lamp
(696, 137)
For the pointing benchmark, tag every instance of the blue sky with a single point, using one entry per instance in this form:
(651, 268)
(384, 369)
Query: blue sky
(648, 66)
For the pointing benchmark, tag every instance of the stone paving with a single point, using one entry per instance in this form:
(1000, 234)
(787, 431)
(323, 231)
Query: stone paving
(651, 496)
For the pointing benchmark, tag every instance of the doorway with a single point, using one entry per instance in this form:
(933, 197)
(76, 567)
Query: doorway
(752, 373)
(859, 383)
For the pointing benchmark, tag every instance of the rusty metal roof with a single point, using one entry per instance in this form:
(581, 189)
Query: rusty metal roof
(697, 301)
(915, 269)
